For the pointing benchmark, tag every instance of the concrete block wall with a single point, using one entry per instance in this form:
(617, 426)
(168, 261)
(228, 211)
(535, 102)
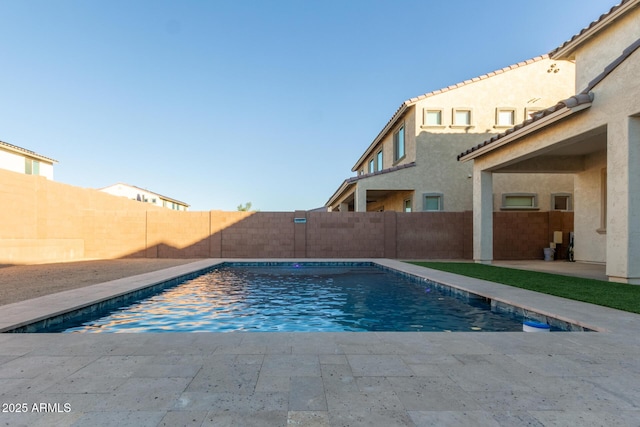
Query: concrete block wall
(259, 235)
(345, 235)
(432, 235)
(46, 221)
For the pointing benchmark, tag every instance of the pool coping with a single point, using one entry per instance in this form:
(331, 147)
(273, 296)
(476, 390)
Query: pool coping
(602, 319)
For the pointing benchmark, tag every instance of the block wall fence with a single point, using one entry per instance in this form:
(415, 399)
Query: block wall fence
(45, 221)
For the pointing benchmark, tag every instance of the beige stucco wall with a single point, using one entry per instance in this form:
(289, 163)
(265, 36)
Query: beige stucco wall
(434, 149)
(591, 238)
(615, 108)
(596, 53)
(539, 84)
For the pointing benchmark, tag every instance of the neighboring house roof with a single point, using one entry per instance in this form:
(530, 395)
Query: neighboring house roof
(170, 199)
(349, 181)
(568, 47)
(412, 101)
(30, 153)
(562, 109)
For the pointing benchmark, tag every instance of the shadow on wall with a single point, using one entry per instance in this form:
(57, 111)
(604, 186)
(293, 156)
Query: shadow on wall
(46, 221)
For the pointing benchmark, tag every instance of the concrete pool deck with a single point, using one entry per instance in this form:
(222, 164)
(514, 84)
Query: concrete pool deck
(325, 379)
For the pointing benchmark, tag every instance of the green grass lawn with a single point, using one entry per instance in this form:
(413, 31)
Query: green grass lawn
(609, 294)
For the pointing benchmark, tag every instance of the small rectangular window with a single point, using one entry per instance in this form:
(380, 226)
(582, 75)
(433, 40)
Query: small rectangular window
(379, 160)
(432, 117)
(461, 117)
(561, 202)
(398, 144)
(529, 112)
(31, 167)
(371, 166)
(520, 201)
(505, 117)
(432, 202)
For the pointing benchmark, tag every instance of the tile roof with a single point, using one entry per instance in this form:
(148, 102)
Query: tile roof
(603, 20)
(412, 101)
(25, 151)
(584, 97)
(347, 182)
(574, 101)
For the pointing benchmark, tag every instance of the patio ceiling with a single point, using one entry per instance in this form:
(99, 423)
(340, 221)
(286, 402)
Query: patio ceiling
(567, 156)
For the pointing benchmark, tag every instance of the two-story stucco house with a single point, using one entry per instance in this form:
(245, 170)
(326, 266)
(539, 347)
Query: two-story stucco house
(21, 160)
(594, 135)
(411, 165)
(142, 195)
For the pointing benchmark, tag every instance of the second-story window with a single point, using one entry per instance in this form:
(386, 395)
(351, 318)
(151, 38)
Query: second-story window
(31, 167)
(398, 144)
(371, 166)
(379, 160)
(462, 117)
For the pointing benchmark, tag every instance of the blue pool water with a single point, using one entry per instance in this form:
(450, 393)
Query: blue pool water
(301, 298)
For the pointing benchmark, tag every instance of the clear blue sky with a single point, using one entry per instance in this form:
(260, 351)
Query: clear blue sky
(217, 103)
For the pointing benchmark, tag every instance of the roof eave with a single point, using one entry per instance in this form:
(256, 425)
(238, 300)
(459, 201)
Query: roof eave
(339, 192)
(24, 152)
(535, 126)
(401, 111)
(566, 51)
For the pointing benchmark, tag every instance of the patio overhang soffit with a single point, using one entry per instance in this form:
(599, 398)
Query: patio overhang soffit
(545, 118)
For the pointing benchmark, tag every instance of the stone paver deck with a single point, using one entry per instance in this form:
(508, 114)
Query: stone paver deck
(329, 379)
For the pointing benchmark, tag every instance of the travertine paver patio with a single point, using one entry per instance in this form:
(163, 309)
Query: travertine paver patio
(331, 379)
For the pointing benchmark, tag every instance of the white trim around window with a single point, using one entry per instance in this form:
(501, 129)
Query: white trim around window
(432, 118)
(462, 117)
(519, 201)
(505, 117)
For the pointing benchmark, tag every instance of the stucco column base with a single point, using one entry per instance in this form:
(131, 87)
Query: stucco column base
(628, 280)
(483, 261)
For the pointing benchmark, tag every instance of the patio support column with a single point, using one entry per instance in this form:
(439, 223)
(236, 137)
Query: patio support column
(482, 216)
(623, 203)
(360, 199)
(344, 207)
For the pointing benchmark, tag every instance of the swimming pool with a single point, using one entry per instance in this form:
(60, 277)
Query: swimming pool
(301, 297)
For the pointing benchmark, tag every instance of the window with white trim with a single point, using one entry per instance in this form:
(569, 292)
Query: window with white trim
(432, 202)
(31, 167)
(432, 117)
(530, 111)
(505, 117)
(520, 201)
(462, 117)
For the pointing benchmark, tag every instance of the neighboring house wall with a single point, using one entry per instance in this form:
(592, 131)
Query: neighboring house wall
(146, 196)
(24, 161)
(434, 146)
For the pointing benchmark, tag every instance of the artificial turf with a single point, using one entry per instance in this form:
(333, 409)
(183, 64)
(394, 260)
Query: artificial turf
(609, 294)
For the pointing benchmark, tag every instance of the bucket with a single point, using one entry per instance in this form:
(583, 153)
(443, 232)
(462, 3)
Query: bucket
(531, 326)
(548, 254)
